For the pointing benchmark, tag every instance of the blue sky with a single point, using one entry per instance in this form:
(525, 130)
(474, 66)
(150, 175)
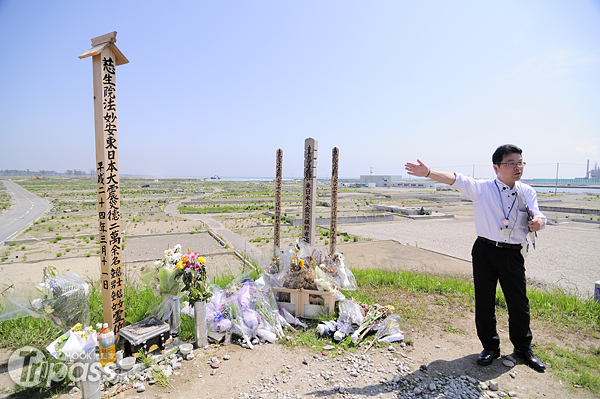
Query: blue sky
(217, 87)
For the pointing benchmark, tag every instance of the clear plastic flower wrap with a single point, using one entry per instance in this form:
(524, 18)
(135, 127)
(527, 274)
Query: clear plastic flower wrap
(341, 277)
(302, 266)
(63, 299)
(215, 311)
(389, 329)
(250, 308)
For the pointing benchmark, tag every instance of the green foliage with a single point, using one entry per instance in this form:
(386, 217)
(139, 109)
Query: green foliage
(578, 369)
(161, 378)
(146, 360)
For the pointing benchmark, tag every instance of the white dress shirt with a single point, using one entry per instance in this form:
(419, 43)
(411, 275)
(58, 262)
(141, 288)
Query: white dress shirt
(494, 201)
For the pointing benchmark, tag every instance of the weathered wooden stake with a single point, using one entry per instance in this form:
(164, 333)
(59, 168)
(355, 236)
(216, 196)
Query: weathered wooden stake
(277, 224)
(334, 192)
(105, 58)
(309, 193)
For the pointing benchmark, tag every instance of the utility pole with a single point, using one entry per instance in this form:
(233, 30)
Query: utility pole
(556, 184)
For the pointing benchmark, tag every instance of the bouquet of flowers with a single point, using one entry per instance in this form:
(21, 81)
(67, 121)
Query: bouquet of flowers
(194, 278)
(63, 299)
(302, 266)
(78, 339)
(373, 315)
(178, 272)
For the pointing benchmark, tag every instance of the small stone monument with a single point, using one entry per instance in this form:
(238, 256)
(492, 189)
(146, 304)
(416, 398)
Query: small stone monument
(309, 192)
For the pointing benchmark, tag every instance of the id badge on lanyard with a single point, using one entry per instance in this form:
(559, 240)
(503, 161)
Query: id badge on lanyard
(506, 232)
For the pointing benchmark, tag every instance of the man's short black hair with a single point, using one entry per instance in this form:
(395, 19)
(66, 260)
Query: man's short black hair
(503, 151)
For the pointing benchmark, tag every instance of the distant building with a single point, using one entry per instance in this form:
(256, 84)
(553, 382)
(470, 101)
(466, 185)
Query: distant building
(380, 180)
(595, 173)
(426, 184)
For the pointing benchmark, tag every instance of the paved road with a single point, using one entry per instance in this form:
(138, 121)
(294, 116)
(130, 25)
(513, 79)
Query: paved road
(242, 245)
(26, 209)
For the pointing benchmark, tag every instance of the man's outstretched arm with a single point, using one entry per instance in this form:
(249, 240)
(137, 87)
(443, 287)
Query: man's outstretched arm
(421, 170)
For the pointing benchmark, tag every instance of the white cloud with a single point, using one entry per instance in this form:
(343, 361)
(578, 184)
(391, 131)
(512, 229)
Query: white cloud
(587, 149)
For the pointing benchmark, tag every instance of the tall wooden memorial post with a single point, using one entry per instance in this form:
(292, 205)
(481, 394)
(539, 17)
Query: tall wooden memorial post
(309, 192)
(277, 222)
(105, 58)
(334, 197)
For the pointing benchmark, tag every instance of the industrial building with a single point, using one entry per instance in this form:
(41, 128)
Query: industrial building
(380, 180)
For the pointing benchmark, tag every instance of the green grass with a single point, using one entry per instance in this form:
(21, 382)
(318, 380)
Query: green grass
(557, 307)
(579, 369)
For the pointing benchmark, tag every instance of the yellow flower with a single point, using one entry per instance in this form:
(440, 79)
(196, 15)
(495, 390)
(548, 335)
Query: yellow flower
(179, 265)
(201, 260)
(184, 259)
(301, 263)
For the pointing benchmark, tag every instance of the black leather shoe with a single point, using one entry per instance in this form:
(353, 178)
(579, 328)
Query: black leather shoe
(531, 360)
(486, 357)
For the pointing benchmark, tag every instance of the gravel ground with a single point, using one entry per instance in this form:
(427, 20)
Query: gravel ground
(566, 255)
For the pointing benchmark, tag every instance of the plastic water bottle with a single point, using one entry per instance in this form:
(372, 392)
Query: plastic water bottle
(107, 346)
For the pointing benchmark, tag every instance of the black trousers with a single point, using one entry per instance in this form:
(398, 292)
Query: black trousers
(490, 265)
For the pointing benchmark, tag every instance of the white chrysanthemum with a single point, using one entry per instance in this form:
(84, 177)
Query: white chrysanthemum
(168, 253)
(177, 248)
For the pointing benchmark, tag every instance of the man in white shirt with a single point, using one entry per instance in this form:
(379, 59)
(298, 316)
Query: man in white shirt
(506, 210)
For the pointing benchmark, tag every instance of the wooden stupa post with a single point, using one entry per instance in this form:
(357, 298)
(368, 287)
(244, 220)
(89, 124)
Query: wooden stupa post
(334, 197)
(277, 224)
(105, 58)
(309, 192)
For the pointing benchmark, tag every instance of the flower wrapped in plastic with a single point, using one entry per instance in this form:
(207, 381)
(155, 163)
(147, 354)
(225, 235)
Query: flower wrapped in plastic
(390, 330)
(175, 273)
(373, 315)
(340, 276)
(63, 299)
(351, 313)
(73, 342)
(251, 308)
(263, 303)
(303, 266)
(215, 312)
(233, 309)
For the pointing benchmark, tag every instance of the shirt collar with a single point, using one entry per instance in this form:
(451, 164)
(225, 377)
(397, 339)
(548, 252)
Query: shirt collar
(504, 187)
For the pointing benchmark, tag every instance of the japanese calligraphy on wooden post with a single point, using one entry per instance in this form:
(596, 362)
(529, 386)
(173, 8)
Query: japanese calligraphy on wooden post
(105, 58)
(334, 192)
(277, 223)
(309, 192)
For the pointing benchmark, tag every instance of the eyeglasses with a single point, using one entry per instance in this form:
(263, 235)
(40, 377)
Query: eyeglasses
(513, 164)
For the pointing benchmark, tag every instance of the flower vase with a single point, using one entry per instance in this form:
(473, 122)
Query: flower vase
(200, 324)
(175, 319)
